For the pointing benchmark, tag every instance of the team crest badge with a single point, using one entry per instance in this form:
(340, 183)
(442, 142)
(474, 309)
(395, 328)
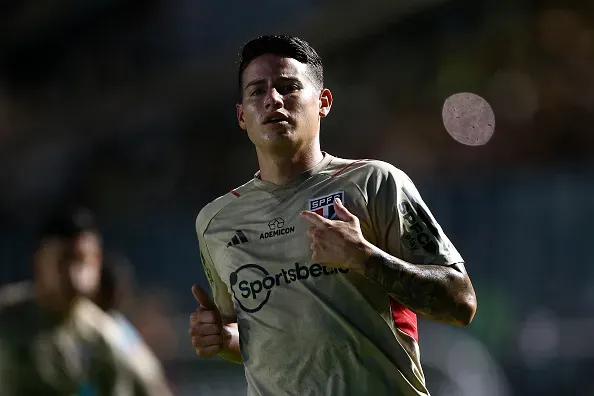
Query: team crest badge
(324, 206)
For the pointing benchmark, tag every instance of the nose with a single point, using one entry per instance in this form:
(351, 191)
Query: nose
(274, 100)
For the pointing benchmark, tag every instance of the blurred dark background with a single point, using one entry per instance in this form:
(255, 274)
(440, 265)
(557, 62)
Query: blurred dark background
(129, 107)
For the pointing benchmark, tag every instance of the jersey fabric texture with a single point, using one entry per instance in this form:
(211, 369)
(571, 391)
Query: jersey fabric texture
(83, 355)
(305, 328)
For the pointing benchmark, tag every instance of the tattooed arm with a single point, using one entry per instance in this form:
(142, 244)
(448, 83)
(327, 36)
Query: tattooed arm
(438, 292)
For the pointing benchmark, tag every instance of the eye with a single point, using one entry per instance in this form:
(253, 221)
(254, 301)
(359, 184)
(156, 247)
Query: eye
(257, 91)
(288, 88)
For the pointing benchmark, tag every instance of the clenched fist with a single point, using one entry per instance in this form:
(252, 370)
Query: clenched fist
(208, 335)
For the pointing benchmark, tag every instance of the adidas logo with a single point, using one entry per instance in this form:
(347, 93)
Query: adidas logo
(238, 238)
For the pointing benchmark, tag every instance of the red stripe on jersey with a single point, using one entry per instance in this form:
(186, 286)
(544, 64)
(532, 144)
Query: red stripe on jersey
(235, 193)
(338, 172)
(404, 319)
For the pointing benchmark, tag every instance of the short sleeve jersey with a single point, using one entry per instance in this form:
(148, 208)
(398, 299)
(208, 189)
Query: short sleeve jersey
(305, 328)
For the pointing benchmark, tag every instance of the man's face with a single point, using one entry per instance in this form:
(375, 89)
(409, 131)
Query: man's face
(66, 268)
(281, 106)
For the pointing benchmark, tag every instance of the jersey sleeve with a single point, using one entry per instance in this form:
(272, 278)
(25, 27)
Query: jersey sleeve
(220, 293)
(403, 223)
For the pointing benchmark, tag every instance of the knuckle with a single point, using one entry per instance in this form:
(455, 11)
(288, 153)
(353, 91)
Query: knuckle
(193, 317)
(206, 316)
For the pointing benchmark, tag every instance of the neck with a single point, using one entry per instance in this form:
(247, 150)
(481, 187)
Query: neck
(279, 168)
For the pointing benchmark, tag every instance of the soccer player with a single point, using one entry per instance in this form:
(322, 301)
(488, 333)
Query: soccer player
(319, 265)
(53, 339)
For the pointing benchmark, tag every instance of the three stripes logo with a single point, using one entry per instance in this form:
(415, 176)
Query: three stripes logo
(238, 238)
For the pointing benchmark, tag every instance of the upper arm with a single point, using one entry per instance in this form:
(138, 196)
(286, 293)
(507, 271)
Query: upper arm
(405, 224)
(220, 292)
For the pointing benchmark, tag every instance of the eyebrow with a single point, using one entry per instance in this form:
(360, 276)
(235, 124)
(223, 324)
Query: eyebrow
(255, 82)
(263, 80)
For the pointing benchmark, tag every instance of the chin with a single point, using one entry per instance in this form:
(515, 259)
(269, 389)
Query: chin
(278, 134)
(281, 128)
(279, 143)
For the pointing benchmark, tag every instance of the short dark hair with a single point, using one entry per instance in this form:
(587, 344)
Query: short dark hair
(281, 45)
(69, 222)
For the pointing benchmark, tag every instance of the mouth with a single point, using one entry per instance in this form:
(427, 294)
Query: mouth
(276, 118)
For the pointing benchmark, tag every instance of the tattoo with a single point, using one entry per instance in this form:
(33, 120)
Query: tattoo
(441, 293)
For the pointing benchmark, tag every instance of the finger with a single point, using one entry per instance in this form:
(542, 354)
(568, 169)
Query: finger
(206, 341)
(341, 211)
(202, 316)
(314, 218)
(202, 297)
(205, 330)
(208, 351)
(193, 318)
(311, 232)
(206, 317)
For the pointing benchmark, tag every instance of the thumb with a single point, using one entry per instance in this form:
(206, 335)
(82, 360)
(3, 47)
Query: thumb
(341, 212)
(203, 299)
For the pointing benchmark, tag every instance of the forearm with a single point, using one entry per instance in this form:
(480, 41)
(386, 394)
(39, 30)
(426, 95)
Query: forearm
(231, 351)
(441, 293)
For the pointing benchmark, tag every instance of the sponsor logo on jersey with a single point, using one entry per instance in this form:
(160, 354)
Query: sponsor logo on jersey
(277, 228)
(420, 230)
(324, 206)
(238, 238)
(252, 284)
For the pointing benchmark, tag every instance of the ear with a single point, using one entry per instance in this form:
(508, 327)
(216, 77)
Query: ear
(325, 102)
(240, 118)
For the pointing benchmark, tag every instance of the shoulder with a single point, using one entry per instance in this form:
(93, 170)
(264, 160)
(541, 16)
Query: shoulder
(97, 326)
(16, 302)
(14, 294)
(91, 321)
(134, 356)
(212, 209)
(17, 307)
(368, 173)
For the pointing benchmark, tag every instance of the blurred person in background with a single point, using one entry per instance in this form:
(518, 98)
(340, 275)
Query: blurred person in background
(115, 295)
(319, 265)
(114, 289)
(152, 317)
(53, 339)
